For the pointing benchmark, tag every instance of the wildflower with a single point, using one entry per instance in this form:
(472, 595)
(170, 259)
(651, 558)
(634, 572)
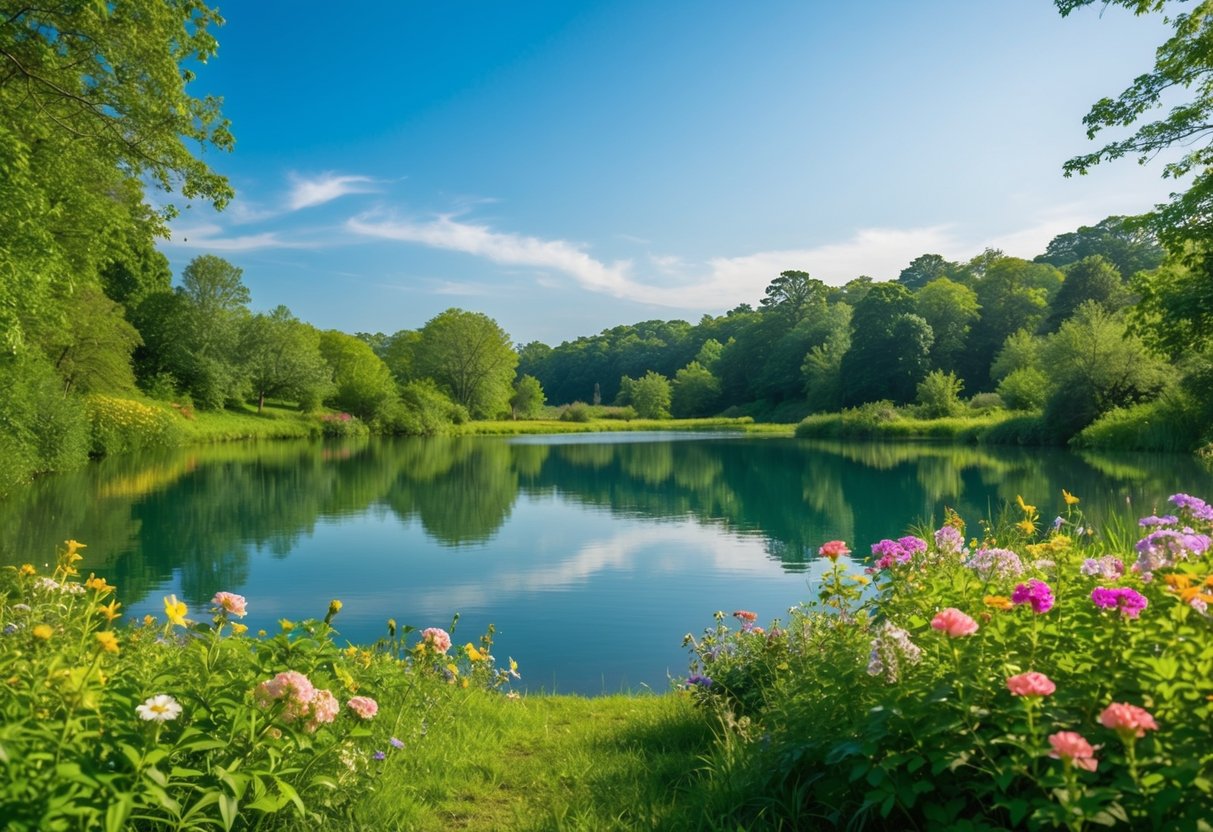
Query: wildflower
(47, 585)
(897, 551)
(239, 629)
(949, 540)
(1070, 499)
(292, 688)
(27, 569)
(1058, 522)
(10, 628)
(1026, 526)
(334, 608)
(175, 610)
(436, 639)
(159, 708)
(746, 616)
(695, 680)
(999, 602)
(472, 653)
(98, 584)
(1030, 684)
(514, 669)
(513, 695)
(363, 706)
(1027, 509)
(1198, 508)
(1108, 567)
(107, 641)
(890, 648)
(73, 547)
(378, 755)
(110, 610)
(954, 622)
(1130, 602)
(395, 743)
(1129, 721)
(1072, 749)
(149, 620)
(1163, 547)
(1034, 592)
(834, 549)
(992, 563)
(43, 631)
(230, 603)
(1154, 520)
(286, 624)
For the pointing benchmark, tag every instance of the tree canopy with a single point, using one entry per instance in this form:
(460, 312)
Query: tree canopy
(471, 358)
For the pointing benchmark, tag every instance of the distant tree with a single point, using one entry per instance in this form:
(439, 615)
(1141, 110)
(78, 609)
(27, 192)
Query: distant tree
(1129, 247)
(399, 352)
(939, 394)
(281, 355)
(792, 294)
(890, 346)
(532, 358)
(527, 399)
(695, 392)
(709, 354)
(1025, 388)
(923, 269)
(951, 309)
(362, 383)
(822, 367)
(471, 358)
(1021, 350)
(650, 395)
(853, 291)
(1091, 279)
(135, 271)
(1014, 294)
(377, 341)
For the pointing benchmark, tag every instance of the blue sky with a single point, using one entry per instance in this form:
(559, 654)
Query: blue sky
(569, 166)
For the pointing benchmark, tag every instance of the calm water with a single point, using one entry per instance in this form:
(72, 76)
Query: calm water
(593, 554)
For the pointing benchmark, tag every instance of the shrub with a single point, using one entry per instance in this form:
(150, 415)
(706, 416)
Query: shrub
(576, 412)
(1024, 389)
(340, 425)
(986, 402)
(192, 726)
(124, 425)
(1020, 679)
(939, 394)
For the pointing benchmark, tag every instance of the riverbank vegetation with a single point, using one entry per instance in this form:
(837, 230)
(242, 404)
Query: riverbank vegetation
(979, 652)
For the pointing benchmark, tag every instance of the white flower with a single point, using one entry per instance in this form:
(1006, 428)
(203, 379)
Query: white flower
(159, 708)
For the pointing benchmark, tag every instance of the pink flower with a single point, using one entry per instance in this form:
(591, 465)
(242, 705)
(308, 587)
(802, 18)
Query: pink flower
(229, 602)
(293, 688)
(954, 622)
(746, 615)
(324, 709)
(1127, 720)
(1072, 749)
(1031, 684)
(364, 706)
(436, 638)
(834, 549)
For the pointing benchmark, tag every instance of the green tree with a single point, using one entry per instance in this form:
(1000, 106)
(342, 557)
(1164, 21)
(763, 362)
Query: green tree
(399, 352)
(1021, 350)
(924, 269)
(822, 367)
(281, 357)
(709, 354)
(939, 394)
(470, 357)
(1175, 312)
(1014, 294)
(209, 328)
(527, 399)
(890, 347)
(951, 309)
(1092, 279)
(694, 391)
(650, 395)
(1127, 245)
(363, 385)
(92, 350)
(792, 294)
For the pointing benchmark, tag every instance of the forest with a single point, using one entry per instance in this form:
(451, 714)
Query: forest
(103, 350)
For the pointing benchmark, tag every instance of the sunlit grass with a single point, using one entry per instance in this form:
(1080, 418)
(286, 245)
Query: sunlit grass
(507, 427)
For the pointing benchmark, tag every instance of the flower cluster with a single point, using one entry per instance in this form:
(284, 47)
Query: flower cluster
(901, 550)
(1129, 601)
(1108, 568)
(299, 699)
(995, 563)
(436, 639)
(890, 648)
(1163, 548)
(954, 622)
(1034, 592)
(949, 540)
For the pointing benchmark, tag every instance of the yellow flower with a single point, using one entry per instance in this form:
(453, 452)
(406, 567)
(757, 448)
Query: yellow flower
(107, 640)
(998, 602)
(98, 584)
(239, 629)
(73, 547)
(175, 610)
(27, 569)
(1027, 509)
(261, 634)
(286, 624)
(1069, 498)
(453, 668)
(334, 608)
(149, 620)
(110, 610)
(472, 653)
(43, 631)
(1027, 526)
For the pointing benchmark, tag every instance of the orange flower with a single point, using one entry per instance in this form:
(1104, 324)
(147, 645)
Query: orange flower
(107, 641)
(98, 584)
(1069, 498)
(110, 610)
(999, 602)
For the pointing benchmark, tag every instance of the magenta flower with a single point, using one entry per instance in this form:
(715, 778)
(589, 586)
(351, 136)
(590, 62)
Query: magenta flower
(834, 549)
(1130, 602)
(1036, 593)
(954, 622)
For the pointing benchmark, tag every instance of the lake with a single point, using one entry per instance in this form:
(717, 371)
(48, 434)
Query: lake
(593, 554)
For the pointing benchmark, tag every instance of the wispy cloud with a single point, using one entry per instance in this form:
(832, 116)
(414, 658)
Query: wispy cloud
(307, 192)
(208, 237)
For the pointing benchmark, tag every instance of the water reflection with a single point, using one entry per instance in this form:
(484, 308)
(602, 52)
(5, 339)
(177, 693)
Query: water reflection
(534, 531)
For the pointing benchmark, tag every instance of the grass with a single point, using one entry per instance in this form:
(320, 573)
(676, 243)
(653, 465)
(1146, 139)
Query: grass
(508, 427)
(545, 762)
(857, 424)
(275, 422)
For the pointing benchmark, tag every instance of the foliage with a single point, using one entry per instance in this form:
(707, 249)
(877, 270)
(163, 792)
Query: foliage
(471, 358)
(527, 399)
(650, 395)
(882, 420)
(41, 429)
(363, 385)
(91, 349)
(1122, 242)
(576, 412)
(281, 356)
(925, 269)
(198, 725)
(694, 392)
(1175, 313)
(1021, 350)
(986, 402)
(1092, 279)
(951, 309)
(428, 411)
(1025, 389)
(1023, 679)
(939, 395)
(122, 426)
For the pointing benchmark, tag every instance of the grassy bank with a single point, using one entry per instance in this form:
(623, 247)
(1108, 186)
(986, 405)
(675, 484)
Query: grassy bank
(508, 427)
(865, 423)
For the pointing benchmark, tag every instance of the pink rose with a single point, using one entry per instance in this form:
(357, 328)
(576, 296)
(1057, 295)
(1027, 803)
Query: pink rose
(954, 622)
(324, 707)
(1127, 720)
(364, 706)
(1031, 684)
(833, 549)
(230, 602)
(436, 638)
(1072, 748)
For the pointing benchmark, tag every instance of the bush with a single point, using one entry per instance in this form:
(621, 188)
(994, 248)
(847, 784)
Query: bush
(192, 726)
(1032, 682)
(939, 395)
(341, 425)
(424, 410)
(1172, 423)
(576, 412)
(986, 402)
(1024, 389)
(121, 426)
(41, 429)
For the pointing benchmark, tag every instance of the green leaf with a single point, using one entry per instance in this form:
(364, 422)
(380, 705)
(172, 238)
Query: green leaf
(229, 809)
(117, 812)
(289, 790)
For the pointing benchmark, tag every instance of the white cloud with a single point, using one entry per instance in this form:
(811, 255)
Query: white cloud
(306, 193)
(206, 236)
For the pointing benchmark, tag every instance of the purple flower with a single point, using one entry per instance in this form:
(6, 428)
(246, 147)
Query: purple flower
(1196, 506)
(990, 563)
(1163, 547)
(891, 552)
(1130, 602)
(1036, 593)
(1109, 568)
(1058, 522)
(912, 545)
(695, 680)
(395, 743)
(949, 540)
(1154, 520)
(378, 755)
